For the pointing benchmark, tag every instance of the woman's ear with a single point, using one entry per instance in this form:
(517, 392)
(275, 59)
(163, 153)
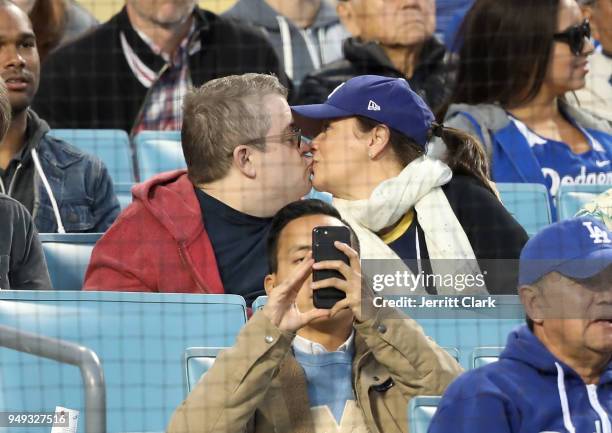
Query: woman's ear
(269, 283)
(379, 139)
(243, 160)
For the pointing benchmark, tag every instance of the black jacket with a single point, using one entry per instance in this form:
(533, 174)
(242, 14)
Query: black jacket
(495, 236)
(88, 83)
(22, 262)
(431, 78)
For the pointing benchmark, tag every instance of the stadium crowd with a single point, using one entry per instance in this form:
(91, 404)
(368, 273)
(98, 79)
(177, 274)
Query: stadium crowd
(409, 135)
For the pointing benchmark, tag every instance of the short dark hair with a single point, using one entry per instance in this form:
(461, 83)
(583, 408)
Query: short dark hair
(505, 50)
(293, 211)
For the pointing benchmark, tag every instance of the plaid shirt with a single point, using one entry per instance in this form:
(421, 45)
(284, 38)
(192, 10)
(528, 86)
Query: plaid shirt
(162, 108)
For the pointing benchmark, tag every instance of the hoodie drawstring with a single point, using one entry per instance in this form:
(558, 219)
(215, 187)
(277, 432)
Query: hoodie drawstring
(285, 33)
(603, 416)
(567, 420)
(41, 173)
(312, 49)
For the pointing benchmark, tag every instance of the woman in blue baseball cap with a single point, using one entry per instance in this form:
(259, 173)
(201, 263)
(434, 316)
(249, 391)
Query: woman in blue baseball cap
(369, 149)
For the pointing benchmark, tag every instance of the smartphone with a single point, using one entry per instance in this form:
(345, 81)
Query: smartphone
(323, 249)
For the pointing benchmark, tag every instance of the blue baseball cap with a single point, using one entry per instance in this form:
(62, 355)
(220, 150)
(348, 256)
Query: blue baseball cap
(576, 248)
(386, 100)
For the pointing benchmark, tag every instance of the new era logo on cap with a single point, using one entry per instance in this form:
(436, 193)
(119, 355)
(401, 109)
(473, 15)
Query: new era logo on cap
(373, 106)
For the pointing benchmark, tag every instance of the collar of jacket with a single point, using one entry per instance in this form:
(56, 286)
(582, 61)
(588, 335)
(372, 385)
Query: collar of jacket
(56, 152)
(371, 56)
(260, 13)
(293, 390)
(122, 23)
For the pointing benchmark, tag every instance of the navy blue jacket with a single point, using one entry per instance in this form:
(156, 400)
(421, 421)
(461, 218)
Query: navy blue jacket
(527, 391)
(79, 182)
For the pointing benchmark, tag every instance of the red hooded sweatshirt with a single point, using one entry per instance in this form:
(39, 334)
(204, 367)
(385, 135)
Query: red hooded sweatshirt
(158, 244)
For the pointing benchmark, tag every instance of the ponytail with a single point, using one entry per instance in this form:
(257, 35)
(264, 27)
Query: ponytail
(465, 155)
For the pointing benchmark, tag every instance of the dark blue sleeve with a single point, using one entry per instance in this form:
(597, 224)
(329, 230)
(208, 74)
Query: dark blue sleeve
(484, 413)
(106, 207)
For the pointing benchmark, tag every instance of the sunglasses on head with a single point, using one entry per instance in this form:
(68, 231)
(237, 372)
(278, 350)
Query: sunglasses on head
(575, 36)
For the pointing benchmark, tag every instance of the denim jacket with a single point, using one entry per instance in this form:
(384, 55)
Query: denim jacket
(79, 183)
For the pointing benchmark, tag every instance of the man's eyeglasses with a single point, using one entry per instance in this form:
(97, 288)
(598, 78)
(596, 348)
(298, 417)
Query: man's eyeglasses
(294, 137)
(575, 36)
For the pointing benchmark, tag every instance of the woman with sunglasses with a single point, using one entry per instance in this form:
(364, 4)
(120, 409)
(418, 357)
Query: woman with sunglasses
(407, 209)
(517, 60)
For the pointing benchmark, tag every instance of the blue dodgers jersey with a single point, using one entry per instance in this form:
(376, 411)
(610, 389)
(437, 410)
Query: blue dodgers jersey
(561, 166)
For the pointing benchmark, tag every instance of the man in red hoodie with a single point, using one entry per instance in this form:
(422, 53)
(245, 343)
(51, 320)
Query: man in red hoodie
(203, 230)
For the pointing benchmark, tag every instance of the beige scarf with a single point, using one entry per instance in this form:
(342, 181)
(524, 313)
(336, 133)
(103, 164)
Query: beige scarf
(416, 187)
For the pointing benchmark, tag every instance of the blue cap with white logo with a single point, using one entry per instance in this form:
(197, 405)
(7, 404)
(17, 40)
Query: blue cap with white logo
(386, 100)
(576, 248)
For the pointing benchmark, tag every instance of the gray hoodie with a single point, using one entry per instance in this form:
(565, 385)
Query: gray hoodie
(301, 50)
(22, 262)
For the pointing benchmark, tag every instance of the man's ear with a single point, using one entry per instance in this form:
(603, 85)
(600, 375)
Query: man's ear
(269, 283)
(532, 300)
(347, 14)
(380, 137)
(243, 160)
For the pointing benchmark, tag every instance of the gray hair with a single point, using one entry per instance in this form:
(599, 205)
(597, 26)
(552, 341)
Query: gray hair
(5, 110)
(222, 114)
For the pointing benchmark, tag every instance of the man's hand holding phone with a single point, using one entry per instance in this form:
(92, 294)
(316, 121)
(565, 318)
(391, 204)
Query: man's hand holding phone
(281, 309)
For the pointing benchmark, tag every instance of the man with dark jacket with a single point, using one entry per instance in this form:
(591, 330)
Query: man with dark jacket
(132, 72)
(63, 188)
(392, 39)
(22, 262)
(204, 230)
(555, 374)
(297, 368)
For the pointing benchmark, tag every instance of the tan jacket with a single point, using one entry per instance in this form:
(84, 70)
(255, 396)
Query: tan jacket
(258, 386)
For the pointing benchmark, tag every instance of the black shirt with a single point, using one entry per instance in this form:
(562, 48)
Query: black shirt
(18, 178)
(495, 236)
(239, 242)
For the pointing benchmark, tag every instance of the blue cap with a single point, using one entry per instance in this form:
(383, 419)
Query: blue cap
(386, 100)
(576, 248)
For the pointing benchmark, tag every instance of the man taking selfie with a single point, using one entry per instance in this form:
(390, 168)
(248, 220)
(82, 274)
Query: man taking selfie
(297, 368)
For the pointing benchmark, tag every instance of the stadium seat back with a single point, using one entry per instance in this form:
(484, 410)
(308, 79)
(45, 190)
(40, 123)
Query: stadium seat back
(67, 257)
(460, 330)
(421, 410)
(112, 146)
(198, 361)
(485, 355)
(571, 198)
(140, 339)
(124, 194)
(528, 203)
(159, 151)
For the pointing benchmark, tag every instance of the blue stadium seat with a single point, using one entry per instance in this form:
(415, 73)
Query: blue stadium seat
(485, 355)
(198, 361)
(123, 191)
(528, 203)
(571, 198)
(421, 410)
(67, 256)
(158, 151)
(112, 146)
(139, 337)
(464, 329)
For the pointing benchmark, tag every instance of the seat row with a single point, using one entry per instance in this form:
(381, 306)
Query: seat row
(153, 152)
(152, 345)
